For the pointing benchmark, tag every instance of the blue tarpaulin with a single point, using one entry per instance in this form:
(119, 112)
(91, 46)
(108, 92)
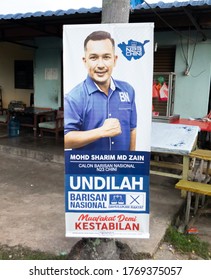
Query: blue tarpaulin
(134, 3)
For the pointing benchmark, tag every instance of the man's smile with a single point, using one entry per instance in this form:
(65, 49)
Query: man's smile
(100, 73)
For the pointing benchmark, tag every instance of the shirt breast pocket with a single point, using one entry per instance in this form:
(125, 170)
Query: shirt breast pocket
(124, 114)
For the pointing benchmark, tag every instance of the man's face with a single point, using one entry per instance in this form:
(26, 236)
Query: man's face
(100, 60)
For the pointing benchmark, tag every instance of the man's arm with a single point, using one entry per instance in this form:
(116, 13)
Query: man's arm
(78, 139)
(133, 139)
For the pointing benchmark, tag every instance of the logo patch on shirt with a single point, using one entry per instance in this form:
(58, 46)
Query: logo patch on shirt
(124, 96)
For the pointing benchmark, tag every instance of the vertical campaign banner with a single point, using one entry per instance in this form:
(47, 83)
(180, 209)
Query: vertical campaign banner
(108, 72)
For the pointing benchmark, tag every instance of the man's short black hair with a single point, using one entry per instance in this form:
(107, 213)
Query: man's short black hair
(97, 36)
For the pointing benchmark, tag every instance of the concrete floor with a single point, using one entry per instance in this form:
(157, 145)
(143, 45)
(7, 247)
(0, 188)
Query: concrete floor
(43, 149)
(32, 197)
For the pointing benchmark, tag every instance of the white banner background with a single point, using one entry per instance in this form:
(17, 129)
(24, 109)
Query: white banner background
(138, 73)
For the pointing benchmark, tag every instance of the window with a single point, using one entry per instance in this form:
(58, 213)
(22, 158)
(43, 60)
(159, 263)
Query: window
(163, 93)
(23, 74)
(164, 60)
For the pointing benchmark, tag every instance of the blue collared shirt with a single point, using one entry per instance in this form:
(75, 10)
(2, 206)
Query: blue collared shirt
(86, 107)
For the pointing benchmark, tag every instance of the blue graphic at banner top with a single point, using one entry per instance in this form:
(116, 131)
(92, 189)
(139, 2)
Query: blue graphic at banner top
(133, 49)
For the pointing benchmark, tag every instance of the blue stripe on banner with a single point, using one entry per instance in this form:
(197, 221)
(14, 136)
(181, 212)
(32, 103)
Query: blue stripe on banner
(100, 207)
(107, 162)
(89, 182)
(107, 193)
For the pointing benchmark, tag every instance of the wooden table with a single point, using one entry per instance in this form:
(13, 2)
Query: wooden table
(198, 186)
(204, 126)
(30, 116)
(204, 140)
(173, 139)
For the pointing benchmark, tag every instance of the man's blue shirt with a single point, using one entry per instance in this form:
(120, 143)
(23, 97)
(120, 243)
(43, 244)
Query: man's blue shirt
(86, 107)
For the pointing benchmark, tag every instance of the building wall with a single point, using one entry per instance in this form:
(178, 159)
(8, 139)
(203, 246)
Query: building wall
(47, 75)
(192, 90)
(47, 72)
(8, 54)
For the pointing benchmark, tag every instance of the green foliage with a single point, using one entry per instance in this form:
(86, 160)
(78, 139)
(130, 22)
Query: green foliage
(23, 253)
(187, 243)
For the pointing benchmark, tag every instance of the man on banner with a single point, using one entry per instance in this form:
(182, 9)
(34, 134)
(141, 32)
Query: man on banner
(100, 112)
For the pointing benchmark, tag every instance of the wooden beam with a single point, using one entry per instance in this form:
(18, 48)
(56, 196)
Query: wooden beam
(195, 23)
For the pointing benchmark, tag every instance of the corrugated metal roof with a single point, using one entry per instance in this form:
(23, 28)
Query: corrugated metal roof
(50, 13)
(58, 13)
(175, 4)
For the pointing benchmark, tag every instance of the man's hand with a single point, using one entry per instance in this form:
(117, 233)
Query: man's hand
(111, 127)
(78, 139)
